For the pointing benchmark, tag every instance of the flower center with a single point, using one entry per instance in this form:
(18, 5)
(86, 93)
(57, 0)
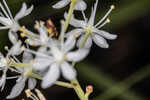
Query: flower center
(88, 29)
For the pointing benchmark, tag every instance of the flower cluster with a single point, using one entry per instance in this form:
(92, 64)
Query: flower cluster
(52, 56)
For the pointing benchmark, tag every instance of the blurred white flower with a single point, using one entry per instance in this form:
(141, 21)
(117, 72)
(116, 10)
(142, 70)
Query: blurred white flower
(20, 83)
(96, 35)
(6, 18)
(80, 4)
(40, 40)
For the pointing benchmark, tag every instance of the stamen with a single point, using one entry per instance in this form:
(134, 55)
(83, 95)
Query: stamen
(40, 95)
(106, 15)
(107, 21)
(22, 35)
(85, 19)
(6, 48)
(1, 6)
(22, 28)
(9, 12)
(50, 30)
(76, 35)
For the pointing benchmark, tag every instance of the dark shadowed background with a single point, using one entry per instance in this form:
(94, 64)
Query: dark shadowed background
(118, 73)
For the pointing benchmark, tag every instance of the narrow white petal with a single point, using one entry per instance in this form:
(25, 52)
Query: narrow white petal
(70, 43)
(80, 5)
(27, 57)
(75, 32)
(68, 71)
(17, 89)
(61, 4)
(77, 55)
(100, 41)
(6, 21)
(31, 83)
(105, 34)
(33, 42)
(51, 76)
(41, 63)
(21, 13)
(16, 49)
(88, 43)
(12, 37)
(92, 18)
(29, 10)
(75, 22)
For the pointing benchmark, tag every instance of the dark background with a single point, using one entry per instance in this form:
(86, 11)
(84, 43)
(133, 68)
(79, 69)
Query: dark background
(103, 68)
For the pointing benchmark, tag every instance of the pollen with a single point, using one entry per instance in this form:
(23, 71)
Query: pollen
(22, 35)
(6, 47)
(22, 28)
(50, 30)
(76, 35)
(65, 58)
(108, 20)
(112, 6)
(28, 93)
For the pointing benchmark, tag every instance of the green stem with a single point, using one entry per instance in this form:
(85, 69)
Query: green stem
(78, 89)
(71, 9)
(59, 83)
(20, 65)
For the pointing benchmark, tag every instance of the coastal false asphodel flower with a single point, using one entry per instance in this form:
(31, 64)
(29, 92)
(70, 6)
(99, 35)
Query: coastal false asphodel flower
(23, 77)
(8, 21)
(87, 27)
(55, 59)
(80, 4)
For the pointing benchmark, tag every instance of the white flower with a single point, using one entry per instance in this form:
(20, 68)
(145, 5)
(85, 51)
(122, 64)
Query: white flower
(7, 20)
(18, 88)
(96, 35)
(56, 59)
(80, 4)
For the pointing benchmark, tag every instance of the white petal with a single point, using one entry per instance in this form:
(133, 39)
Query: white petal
(92, 17)
(80, 5)
(61, 4)
(3, 81)
(12, 37)
(21, 13)
(88, 43)
(51, 76)
(75, 22)
(31, 83)
(16, 49)
(105, 34)
(33, 42)
(75, 32)
(27, 57)
(29, 10)
(100, 41)
(77, 55)
(41, 63)
(70, 43)
(17, 89)
(5, 21)
(68, 71)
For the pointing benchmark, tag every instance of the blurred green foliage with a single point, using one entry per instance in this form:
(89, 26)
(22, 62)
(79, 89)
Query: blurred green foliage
(126, 11)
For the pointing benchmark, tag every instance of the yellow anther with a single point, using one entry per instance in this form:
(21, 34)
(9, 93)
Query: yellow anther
(28, 93)
(22, 35)
(112, 6)
(108, 20)
(6, 47)
(76, 35)
(36, 26)
(62, 22)
(22, 28)
(65, 58)
(50, 30)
